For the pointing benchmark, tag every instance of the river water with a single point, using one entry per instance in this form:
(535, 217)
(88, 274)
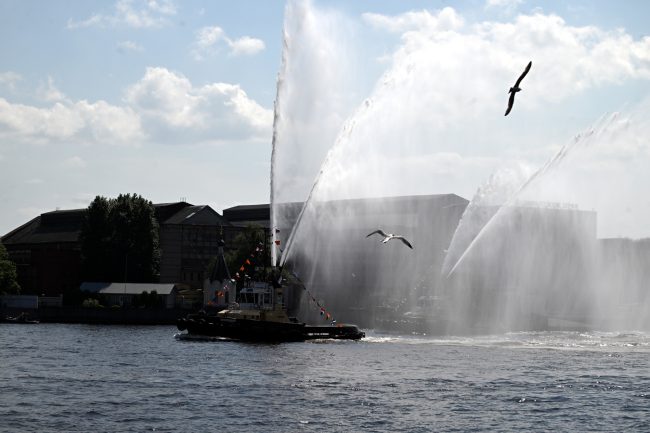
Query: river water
(83, 378)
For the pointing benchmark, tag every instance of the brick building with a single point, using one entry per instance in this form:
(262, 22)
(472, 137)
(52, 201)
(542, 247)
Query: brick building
(47, 250)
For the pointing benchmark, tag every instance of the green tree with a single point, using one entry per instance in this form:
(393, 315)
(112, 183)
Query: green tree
(243, 245)
(95, 242)
(91, 303)
(119, 240)
(8, 276)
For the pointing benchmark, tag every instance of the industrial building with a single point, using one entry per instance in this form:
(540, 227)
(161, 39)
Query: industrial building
(47, 249)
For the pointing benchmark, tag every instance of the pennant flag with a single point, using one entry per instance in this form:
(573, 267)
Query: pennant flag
(248, 262)
(242, 268)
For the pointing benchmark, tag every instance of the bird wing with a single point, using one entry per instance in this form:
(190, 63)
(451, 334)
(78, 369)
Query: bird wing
(511, 101)
(401, 238)
(377, 231)
(523, 74)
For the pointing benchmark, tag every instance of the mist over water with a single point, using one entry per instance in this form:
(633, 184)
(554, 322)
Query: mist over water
(533, 249)
(545, 256)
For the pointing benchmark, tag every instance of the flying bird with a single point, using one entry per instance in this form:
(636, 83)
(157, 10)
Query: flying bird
(389, 236)
(514, 89)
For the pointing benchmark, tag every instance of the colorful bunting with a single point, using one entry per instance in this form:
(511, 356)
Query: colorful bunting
(248, 262)
(326, 315)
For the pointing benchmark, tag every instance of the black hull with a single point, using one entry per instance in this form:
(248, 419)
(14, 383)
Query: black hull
(263, 331)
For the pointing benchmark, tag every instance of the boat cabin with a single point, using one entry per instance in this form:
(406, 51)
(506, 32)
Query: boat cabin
(257, 296)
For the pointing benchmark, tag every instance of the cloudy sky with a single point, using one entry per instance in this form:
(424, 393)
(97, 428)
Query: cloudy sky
(174, 100)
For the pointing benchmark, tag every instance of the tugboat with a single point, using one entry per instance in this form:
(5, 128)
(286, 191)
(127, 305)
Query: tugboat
(258, 315)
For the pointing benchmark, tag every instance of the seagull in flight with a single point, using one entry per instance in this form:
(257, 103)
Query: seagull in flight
(389, 236)
(514, 89)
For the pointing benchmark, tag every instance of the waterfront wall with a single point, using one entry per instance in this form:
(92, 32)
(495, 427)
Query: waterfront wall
(106, 316)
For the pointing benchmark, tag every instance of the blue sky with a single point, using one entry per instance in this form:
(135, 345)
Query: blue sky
(174, 99)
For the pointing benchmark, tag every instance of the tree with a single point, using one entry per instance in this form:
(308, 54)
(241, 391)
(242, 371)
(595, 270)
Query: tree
(119, 240)
(8, 276)
(95, 242)
(243, 245)
(148, 300)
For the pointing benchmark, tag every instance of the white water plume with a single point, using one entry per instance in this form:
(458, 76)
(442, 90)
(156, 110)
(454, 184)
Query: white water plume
(539, 258)
(526, 253)
(315, 93)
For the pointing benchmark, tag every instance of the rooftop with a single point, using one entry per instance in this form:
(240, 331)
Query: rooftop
(127, 288)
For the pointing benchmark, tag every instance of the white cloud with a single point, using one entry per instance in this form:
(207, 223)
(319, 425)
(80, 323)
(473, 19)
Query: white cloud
(49, 92)
(209, 40)
(481, 60)
(446, 19)
(129, 46)
(164, 7)
(95, 20)
(163, 107)
(169, 102)
(74, 162)
(9, 79)
(209, 36)
(76, 121)
(246, 46)
(131, 13)
(508, 5)
(34, 181)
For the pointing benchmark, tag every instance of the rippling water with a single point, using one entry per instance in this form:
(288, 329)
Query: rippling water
(117, 378)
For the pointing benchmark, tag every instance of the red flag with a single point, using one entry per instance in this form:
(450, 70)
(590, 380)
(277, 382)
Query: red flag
(277, 241)
(248, 262)
(242, 268)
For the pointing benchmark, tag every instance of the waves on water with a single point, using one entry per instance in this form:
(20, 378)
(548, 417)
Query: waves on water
(623, 341)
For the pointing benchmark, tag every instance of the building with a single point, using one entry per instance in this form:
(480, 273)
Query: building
(125, 294)
(244, 215)
(47, 249)
(189, 240)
